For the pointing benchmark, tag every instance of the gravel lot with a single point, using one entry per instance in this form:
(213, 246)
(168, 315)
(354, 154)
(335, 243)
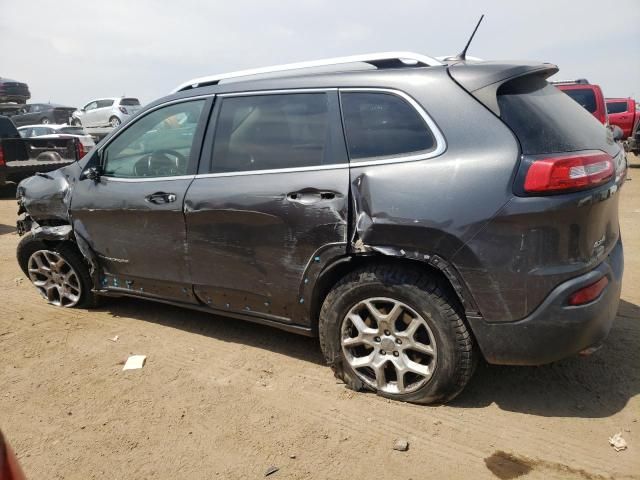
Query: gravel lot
(221, 398)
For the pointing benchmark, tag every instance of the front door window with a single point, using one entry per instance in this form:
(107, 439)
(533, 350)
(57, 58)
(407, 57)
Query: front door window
(157, 145)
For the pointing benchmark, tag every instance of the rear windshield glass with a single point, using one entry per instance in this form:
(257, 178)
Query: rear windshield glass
(130, 102)
(585, 97)
(72, 130)
(545, 120)
(616, 107)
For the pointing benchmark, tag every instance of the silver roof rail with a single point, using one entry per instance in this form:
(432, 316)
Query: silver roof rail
(379, 60)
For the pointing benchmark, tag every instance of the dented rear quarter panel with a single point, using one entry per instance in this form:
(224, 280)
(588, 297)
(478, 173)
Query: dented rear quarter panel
(435, 207)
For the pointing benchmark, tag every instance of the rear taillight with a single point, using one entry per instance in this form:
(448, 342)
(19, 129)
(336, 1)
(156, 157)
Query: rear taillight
(80, 151)
(568, 172)
(589, 293)
(123, 110)
(2, 160)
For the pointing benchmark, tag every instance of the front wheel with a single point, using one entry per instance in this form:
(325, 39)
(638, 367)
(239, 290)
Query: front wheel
(397, 332)
(114, 122)
(58, 272)
(45, 121)
(76, 122)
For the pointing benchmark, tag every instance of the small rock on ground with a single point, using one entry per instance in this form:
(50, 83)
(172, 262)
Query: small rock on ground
(270, 471)
(401, 444)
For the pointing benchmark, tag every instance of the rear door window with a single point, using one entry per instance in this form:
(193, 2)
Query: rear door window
(545, 120)
(276, 131)
(585, 97)
(104, 103)
(383, 125)
(616, 107)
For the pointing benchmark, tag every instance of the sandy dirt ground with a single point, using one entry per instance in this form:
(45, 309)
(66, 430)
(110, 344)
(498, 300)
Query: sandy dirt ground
(221, 398)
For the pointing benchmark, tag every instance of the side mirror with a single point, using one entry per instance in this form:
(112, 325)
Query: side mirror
(617, 133)
(92, 173)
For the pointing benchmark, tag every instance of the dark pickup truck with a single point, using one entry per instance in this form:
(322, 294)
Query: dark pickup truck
(22, 157)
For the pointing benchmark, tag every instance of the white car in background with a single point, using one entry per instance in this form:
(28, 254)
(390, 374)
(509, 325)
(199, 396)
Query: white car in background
(106, 112)
(58, 131)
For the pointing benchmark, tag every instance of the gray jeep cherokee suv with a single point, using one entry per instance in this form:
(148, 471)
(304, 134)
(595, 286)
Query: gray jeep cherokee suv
(413, 214)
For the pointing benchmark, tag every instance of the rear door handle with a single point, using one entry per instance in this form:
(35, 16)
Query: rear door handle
(307, 198)
(161, 197)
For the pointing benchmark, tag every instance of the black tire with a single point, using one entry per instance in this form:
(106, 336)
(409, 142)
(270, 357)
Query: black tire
(432, 300)
(67, 250)
(76, 122)
(45, 121)
(114, 122)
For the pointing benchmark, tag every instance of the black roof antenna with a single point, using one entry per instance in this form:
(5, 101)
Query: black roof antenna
(462, 56)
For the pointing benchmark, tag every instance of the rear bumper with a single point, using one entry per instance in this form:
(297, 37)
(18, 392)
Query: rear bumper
(556, 330)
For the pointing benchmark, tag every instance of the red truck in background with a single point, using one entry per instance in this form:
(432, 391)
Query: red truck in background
(623, 113)
(588, 95)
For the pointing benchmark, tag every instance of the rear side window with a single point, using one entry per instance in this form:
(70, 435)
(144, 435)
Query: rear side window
(104, 103)
(616, 107)
(266, 132)
(585, 97)
(383, 125)
(545, 120)
(129, 102)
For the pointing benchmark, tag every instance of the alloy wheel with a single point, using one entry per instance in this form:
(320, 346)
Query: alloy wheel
(388, 345)
(55, 278)
(115, 122)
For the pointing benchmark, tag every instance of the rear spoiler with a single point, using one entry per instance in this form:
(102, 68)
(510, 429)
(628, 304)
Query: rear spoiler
(482, 80)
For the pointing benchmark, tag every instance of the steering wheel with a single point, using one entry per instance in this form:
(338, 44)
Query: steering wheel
(160, 163)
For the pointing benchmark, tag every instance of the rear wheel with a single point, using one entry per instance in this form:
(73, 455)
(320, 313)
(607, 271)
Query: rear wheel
(397, 332)
(114, 122)
(76, 122)
(58, 272)
(45, 121)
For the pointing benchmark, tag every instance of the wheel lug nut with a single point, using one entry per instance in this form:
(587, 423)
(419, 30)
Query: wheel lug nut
(382, 352)
(395, 354)
(398, 341)
(377, 339)
(387, 332)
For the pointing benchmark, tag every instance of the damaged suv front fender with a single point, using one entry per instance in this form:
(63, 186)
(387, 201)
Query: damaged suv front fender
(46, 197)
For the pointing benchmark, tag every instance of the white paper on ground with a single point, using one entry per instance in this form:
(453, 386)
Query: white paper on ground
(134, 362)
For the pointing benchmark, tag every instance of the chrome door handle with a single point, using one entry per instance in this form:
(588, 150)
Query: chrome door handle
(161, 197)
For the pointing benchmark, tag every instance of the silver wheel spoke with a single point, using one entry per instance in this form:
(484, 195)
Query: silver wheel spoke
(400, 380)
(411, 329)
(422, 348)
(380, 380)
(353, 341)
(359, 362)
(356, 321)
(375, 354)
(418, 368)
